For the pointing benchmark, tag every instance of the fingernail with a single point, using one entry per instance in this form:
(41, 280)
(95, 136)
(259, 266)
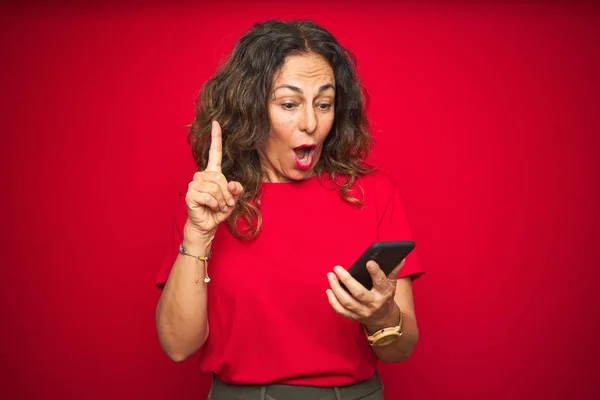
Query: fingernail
(224, 208)
(231, 202)
(338, 269)
(330, 276)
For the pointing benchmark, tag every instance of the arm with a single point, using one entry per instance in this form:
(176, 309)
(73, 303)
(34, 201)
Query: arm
(402, 348)
(181, 317)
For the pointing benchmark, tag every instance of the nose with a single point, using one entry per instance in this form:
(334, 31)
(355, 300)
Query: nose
(309, 121)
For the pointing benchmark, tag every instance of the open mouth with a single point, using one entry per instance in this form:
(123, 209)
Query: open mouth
(303, 156)
(303, 152)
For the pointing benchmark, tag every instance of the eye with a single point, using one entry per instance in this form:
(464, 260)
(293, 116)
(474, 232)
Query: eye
(288, 106)
(325, 106)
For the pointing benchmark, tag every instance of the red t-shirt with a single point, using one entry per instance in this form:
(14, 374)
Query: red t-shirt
(269, 317)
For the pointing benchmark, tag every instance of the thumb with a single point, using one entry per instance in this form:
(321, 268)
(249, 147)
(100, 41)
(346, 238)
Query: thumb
(372, 267)
(377, 275)
(235, 188)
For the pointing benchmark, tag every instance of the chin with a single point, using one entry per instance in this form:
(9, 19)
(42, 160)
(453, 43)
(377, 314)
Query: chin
(297, 175)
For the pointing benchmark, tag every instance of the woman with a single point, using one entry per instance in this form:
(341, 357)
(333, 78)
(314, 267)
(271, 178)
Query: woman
(280, 138)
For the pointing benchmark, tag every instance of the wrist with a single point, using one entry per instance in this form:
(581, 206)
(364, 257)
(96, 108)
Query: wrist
(197, 242)
(390, 318)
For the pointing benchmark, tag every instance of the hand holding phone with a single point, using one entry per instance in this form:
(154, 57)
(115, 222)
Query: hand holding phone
(386, 254)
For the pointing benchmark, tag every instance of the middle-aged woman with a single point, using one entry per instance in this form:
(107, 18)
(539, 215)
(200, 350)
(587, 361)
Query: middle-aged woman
(282, 203)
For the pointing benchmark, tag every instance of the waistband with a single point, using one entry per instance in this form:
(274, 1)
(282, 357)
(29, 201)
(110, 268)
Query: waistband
(225, 391)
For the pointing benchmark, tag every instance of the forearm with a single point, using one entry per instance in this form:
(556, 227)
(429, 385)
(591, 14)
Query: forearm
(402, 348)
(181, 314)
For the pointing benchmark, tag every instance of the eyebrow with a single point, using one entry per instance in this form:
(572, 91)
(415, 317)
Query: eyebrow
(298, 90)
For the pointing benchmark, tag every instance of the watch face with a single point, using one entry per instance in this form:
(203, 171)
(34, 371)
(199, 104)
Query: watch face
(386, 340)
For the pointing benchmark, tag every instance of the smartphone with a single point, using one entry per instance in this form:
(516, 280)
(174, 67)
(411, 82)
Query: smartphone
(386, 254)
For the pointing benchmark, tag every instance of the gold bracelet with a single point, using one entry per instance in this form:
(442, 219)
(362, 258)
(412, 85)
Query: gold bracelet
(183, 251)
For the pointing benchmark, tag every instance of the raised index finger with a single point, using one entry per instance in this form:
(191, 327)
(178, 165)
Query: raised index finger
(215, 152)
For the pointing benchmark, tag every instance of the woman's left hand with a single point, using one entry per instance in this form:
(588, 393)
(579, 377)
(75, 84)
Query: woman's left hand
(368, 307)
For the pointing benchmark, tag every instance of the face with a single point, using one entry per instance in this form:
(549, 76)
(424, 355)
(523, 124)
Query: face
(301, 111)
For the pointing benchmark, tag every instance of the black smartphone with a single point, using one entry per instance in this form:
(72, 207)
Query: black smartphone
(386, 254)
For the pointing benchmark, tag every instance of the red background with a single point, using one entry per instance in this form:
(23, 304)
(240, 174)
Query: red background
(487, 114)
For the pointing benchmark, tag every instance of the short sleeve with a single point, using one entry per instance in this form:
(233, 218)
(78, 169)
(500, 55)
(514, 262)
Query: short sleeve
(393, 226)
(174, 239)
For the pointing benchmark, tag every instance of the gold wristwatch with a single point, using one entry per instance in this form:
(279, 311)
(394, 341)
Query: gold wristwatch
(385, 336)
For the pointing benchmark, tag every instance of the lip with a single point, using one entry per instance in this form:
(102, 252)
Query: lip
(302, 146)
(304, 165)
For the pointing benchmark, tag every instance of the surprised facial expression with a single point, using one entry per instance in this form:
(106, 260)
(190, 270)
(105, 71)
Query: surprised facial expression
(301, 110)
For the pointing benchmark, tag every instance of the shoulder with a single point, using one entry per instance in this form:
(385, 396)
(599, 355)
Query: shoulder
(379, 183)
(375, 183)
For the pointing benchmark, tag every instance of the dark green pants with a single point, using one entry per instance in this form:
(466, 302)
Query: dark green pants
(371, 389)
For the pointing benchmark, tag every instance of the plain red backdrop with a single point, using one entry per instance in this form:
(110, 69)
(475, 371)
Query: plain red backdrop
(487, 115)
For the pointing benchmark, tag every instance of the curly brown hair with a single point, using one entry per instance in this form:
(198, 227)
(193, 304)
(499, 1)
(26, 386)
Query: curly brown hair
(237, 96)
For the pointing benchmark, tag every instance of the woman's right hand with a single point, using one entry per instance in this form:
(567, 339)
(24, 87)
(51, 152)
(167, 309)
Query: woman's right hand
(210, 199)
